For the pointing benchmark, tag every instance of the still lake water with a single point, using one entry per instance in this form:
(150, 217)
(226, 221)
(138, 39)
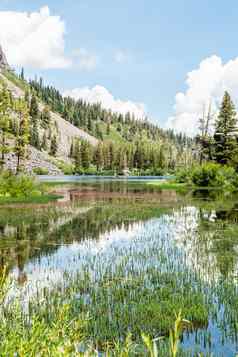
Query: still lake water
(105, 237)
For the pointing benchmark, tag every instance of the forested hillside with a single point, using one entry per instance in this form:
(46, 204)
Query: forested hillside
(124, 141)
(95, 140)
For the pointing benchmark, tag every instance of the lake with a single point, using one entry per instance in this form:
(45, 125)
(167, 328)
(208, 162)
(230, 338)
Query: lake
(131, 256)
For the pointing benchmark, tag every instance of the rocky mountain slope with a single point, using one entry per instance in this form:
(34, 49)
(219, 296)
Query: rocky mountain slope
(3, 60)
(66, 132)
(78, 137)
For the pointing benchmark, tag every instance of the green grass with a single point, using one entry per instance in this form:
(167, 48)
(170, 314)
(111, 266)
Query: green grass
(40, 199)
(114, 134)
(12, 77)
(166, 185)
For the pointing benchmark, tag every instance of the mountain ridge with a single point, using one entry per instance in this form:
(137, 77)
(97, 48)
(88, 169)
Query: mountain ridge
(78, 137)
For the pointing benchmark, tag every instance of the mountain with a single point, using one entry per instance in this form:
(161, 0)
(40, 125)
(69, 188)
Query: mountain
(3, 60)
(73, 136)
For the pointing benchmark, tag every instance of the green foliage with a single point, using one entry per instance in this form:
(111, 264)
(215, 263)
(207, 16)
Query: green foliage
(225, 137)
(141, 143)
(205, 175)
(54, 146)
(45, 118)
(67, 168)
(40, 171)
(22, 134)
(34, 110)
(213, 175)
(175, 333)
(64, 333)
(17, 186)
(183, 175)
(5, 116)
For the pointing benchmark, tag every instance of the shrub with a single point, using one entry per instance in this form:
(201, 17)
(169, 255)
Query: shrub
(183, 176)
(205, 175)
(19, 186)
(40, 171)
(226, 177)
(213, 175)
(67, 168)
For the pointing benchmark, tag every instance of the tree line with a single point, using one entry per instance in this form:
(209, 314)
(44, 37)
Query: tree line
(124, 141)
(221, 144)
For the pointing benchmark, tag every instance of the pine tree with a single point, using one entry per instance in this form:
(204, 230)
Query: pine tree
(22, 75)
(44, 143)
(5, 111)
(27, 97)
(99, 157)
(98, 132)
(108, 128)
(22, 138)
(34, 131)
(111, 156)
(225, 137)
(34, 110)
(161, 158)
(34, 136)
(77, 156)
(54, 146)
(45, 118)
(85, 154)
(72, 150)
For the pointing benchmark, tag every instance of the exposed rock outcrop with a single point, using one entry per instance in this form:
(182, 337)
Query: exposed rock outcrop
(3, 60)
(66, 131)
(36, 159)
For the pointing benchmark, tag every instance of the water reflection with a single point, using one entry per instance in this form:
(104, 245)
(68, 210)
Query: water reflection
(139, 230)
(207, 233)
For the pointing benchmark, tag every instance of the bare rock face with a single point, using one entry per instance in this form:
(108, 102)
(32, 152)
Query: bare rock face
(3, 60)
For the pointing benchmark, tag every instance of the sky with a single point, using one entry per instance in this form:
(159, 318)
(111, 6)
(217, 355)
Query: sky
(163, 59)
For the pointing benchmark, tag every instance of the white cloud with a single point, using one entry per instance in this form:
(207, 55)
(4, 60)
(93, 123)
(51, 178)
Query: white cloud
(120, 56)
(99, 94)
(84, 59)
(33, 39)
(205, 84)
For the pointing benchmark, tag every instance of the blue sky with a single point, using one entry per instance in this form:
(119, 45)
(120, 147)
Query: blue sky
(157, 43)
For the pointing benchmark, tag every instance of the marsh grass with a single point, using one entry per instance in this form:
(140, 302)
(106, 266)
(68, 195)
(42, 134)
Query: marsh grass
(125, 293)
(31, 199)
(64, 333)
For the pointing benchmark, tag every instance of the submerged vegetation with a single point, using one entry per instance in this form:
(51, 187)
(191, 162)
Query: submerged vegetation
(64, 334)
(113, 275)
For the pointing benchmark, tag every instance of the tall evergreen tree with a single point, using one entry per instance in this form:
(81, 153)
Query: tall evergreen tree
(34, 130)
(5, 111)
(44, 144)
(99, 157)
(225, 137)
(108, 128)
(22, 75)
(85, 154)
(54, 146)
(77, 156)
(34, 110)
(45, 118)
(22, 138)
(111, 150)
(34, 136)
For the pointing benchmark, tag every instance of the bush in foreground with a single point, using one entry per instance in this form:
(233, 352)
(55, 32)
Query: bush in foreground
(17, 186)
(209, 175)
